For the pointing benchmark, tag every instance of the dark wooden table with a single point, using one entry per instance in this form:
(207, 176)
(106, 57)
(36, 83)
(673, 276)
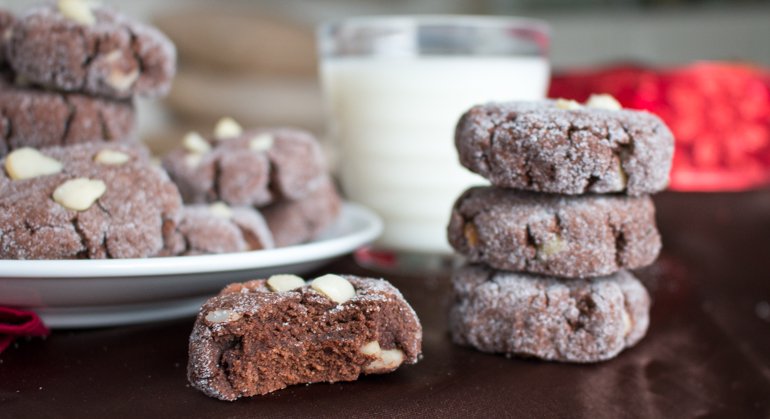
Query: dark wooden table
(707, 353)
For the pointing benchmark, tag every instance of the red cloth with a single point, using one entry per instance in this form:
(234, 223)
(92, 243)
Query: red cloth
(718, 112)
(15, 323)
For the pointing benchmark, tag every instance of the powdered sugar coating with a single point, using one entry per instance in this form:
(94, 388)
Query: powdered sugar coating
(528, 315)
(568, 236)
(115, 57)
(234, 172)
(130, 220)
(297, 221)
(202, 232)
(539, 147)
(299, 336)
(35, 117)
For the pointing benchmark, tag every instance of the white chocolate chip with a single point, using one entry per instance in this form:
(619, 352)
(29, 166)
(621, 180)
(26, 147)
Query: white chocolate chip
(603, 101)
(551, 247)
(220, 210)
(261, 142)
(77, 10)
(222, 316)
(111, 157)
(193, 160)
(336, 288)
(26, 163)
(567, 104)
(122, 81)
(389, 359)
(371, 348)
(195, 143)
(79, 194)
(113, 56)
(280, 283)
(627, 324)
(227, 128)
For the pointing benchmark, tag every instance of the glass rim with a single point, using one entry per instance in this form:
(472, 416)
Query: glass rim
(480, 21)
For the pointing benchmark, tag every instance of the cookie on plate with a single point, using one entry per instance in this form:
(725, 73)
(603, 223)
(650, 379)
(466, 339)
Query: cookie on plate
(84, 201)
(567, 149)
(35, 117)
(264, 335)
(548, 318)
(255, 167)
(77, 46)
(294, 222)
(219, 228)
(569, 236)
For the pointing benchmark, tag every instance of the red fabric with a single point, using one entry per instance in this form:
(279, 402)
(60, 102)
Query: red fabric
(718, 112)
(15, 323)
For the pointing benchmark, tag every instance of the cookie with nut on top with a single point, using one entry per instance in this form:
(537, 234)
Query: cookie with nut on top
(565, 147)
(247, 167)
(78, 46)
(85, 201)
(264, 335)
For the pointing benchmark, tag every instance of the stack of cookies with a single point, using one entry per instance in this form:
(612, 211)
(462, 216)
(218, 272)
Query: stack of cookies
(551, 242)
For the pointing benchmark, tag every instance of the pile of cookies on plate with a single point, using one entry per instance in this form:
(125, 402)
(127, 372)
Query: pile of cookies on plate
(77, 183)
(551, 242)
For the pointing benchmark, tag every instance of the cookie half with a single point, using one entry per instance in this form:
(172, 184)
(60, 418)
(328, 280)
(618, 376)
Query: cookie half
(548, 318)
(35, 117)
(84, 201)
(76, 46)
(568, 236)
(251, 340)
(542, 147)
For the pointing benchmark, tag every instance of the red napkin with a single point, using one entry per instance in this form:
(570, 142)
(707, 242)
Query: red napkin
(16, 323)
(719, 114)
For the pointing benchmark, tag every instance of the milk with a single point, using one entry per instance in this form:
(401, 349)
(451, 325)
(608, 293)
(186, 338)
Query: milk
(393, 120)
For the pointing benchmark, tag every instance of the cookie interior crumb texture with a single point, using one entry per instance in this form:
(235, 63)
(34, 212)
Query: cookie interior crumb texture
(249, 340)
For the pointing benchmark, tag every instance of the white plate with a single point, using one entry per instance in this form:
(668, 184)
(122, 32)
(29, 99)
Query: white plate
(91, 293)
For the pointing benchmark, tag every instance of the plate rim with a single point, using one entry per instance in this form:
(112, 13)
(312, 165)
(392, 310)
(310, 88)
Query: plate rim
(371, 228)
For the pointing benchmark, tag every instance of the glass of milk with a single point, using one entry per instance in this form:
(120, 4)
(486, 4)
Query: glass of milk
(395, 88)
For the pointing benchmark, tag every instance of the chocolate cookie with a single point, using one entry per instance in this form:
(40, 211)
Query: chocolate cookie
(217, 228)
(294, 222)
(541, 147)
(528, 315)
(84, 201)
(256, 167)
(569, 236)
(34, 117)
(74, 46)
(264, 335)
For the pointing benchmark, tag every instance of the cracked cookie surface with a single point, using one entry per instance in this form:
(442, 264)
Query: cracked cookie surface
(206, 230)
(114, 57)
(528, 315)
(35, 117)
(249, 340)
(568, 236)
(257, 167)
(137, 209)
(539, 147)
(297, 221)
